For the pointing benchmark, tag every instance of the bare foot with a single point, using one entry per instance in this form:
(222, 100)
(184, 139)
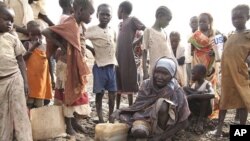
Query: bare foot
(198, 129)
(78, 127)
(70, 131)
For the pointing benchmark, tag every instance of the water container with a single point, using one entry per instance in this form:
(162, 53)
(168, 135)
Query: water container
(111, 132)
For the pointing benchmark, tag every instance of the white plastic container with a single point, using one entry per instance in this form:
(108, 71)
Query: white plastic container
(111, 132)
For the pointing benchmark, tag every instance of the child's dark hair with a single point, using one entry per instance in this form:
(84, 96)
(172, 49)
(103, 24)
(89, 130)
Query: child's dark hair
(81, 4)
(175, 33)
(201, 69)
(127, 7)
(242, 7)
(65, 3)
(2, 6)
(163, 10)
(102, 5)
(32, 24)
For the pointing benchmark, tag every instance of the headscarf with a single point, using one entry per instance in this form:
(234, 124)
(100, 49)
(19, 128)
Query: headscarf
(171, 65)
(168, 64)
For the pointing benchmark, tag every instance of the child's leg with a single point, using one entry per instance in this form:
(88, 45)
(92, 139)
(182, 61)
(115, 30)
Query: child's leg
(118, 100)
(69, 128)
(111, 96)
(38, 102)
(237, 117)
(222, 115)
(163, 115)
(130, 99)
(76, 126)
(30, 102)
(205, 111)
(98, 102)
(243, 115)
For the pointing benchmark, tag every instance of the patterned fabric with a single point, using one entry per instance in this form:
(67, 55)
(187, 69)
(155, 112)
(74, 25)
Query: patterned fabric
(77, 69)
(14, 120)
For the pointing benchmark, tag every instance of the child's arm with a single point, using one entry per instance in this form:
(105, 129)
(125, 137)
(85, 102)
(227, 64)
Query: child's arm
(145, 46)
(30, 50)
(181, 61)
(22, 68)
(144, 64)
(91, 49)
(46, 19)
(21, 29)
(200, 96)
(54, 38)
(51, 72)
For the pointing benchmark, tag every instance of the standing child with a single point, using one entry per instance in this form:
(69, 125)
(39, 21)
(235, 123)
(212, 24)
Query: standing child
(155, 40)
(126, 70)
(37, 67)
(189, 56)
(14, 120)
(235, 88)
(69, 36)
(103, 39)
(67, 9)
(179, 53)
(40, 14)
(199, 97)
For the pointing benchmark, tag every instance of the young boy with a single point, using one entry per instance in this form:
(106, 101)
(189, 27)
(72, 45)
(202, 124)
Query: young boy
(37, 67)
(103, 39)
(179, 53)
(67, 9)
(235, 88)
(188, 60)
(155, 40)
(199, 97)
(14, 120)
(126, 70)
(40, 14)
(70, 37)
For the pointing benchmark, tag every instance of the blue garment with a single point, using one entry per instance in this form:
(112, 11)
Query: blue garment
(104, 79)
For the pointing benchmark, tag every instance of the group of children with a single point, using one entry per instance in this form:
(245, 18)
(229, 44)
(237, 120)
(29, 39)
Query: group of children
(26, 69)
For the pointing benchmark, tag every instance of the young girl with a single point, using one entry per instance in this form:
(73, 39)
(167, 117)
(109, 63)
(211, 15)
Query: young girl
(14, 120)
(206, 53)
(126, 78)
(235, 89)
(37, 67)
(155, 40)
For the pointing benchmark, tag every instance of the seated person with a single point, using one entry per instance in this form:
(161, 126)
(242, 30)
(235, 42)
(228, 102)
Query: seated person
(161, 107)
(199, 97)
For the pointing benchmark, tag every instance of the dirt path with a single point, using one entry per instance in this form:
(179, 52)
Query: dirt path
(89, 124)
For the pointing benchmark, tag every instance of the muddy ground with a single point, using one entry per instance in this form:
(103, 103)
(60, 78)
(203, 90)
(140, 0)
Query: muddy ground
(89, 124)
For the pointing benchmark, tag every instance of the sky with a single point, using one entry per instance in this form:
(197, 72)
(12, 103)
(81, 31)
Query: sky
(182, 11)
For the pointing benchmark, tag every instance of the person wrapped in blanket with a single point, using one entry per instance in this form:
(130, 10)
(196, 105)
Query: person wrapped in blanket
(161, 107)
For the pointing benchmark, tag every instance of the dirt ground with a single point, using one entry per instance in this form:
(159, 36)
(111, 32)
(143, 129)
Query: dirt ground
(89, 124)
